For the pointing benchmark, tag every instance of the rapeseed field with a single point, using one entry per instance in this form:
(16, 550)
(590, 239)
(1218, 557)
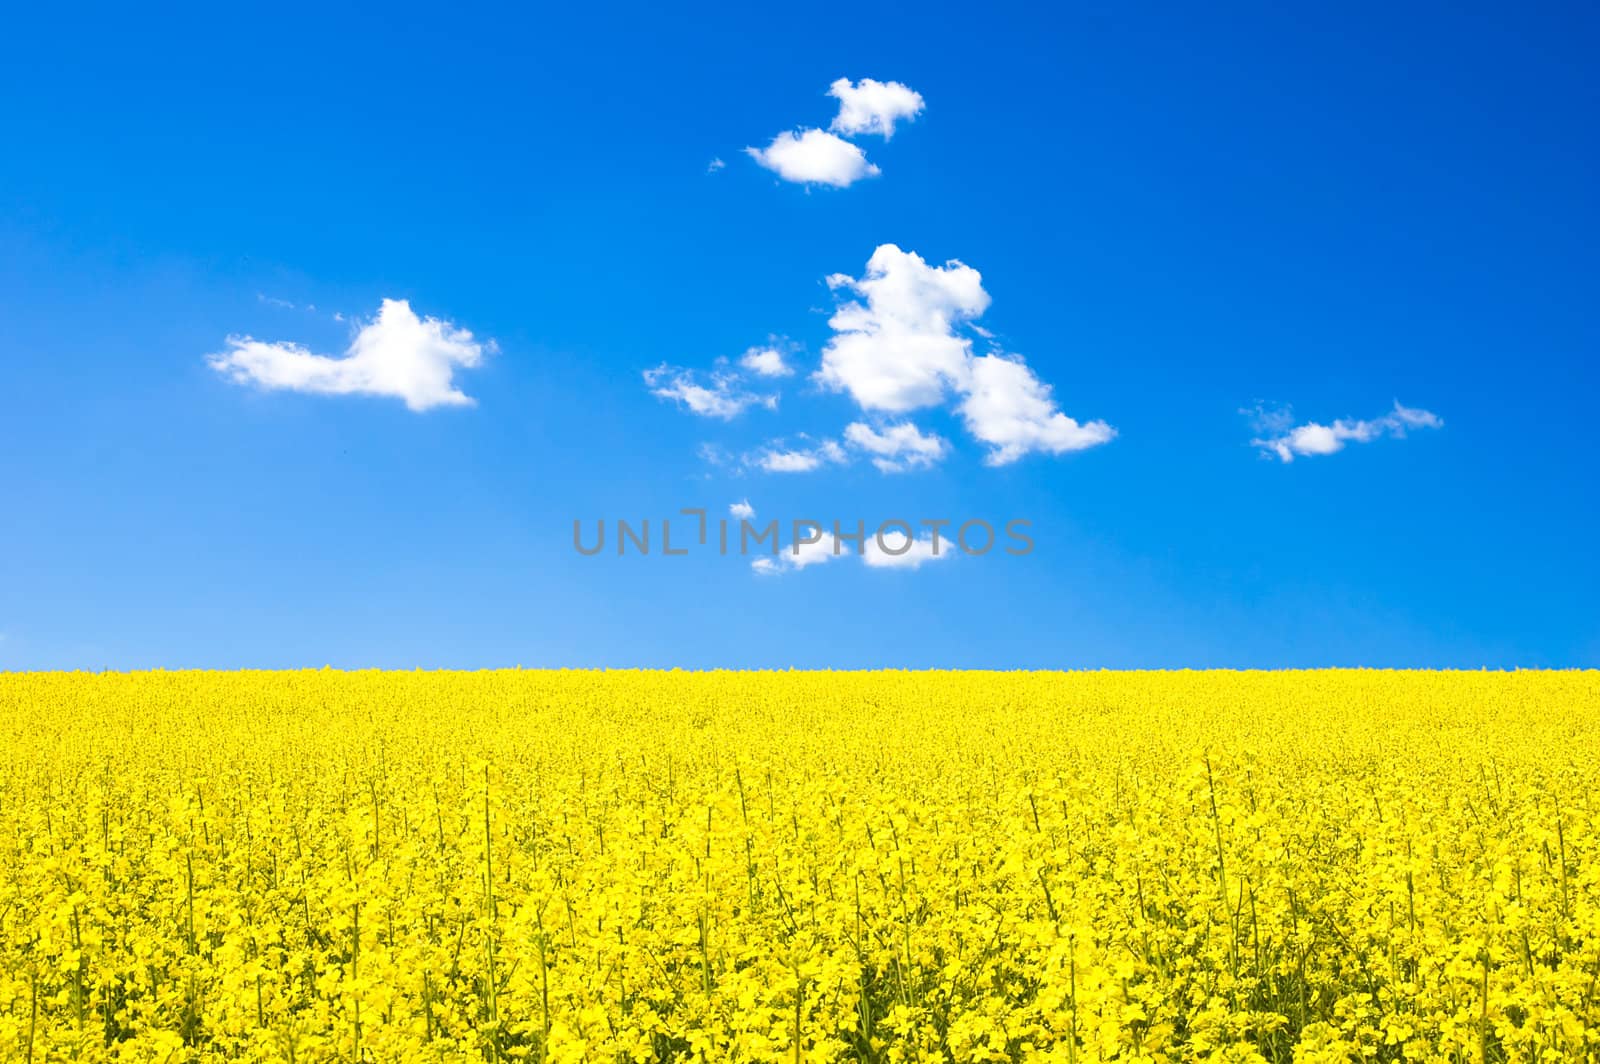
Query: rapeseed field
(896, 866)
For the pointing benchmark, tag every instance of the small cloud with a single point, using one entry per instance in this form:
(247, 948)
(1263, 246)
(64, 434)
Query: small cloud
(901, 552)
(897, 551)
(714, 455)
(720, 396)
(715, 165)
(768, 360)
(742, 510)
(1279, 436)
(797, 555)
(898, 447)
(777, 458)
(814, 157)
(397, 355)
(872, 106)
(1269, 419)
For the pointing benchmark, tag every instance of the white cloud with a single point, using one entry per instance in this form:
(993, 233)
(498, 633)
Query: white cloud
(715, 455)
(899, 555)
(715, 165)
(1010, 409)
(897, 348)
(897, 447)
(1281, 437)
(872, 106)
(397, 355)
(768, 361)
(720, 397)
(918, 553)
(900, 344)
(1406, 417)
(742, 510)
(798, 555)
(814, 157)
(777, 458)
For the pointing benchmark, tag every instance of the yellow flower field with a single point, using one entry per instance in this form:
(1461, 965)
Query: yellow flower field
(635, 866)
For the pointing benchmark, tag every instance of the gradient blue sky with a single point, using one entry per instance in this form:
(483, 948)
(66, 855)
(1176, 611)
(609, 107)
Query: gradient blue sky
(1176, 214)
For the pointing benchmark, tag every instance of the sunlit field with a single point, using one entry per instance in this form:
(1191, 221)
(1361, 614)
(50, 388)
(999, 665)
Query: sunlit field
(636, 866)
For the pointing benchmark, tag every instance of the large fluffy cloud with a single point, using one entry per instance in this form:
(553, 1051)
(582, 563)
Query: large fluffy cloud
(1281, 437)
(899, 347)
(814, 157)
(896, 348)
(872, 106)
(397, 355)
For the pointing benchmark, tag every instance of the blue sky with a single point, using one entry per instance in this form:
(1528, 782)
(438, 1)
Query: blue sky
(1173, 218)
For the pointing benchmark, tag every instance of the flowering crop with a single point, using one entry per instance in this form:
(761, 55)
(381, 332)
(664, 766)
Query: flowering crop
(638, 866)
